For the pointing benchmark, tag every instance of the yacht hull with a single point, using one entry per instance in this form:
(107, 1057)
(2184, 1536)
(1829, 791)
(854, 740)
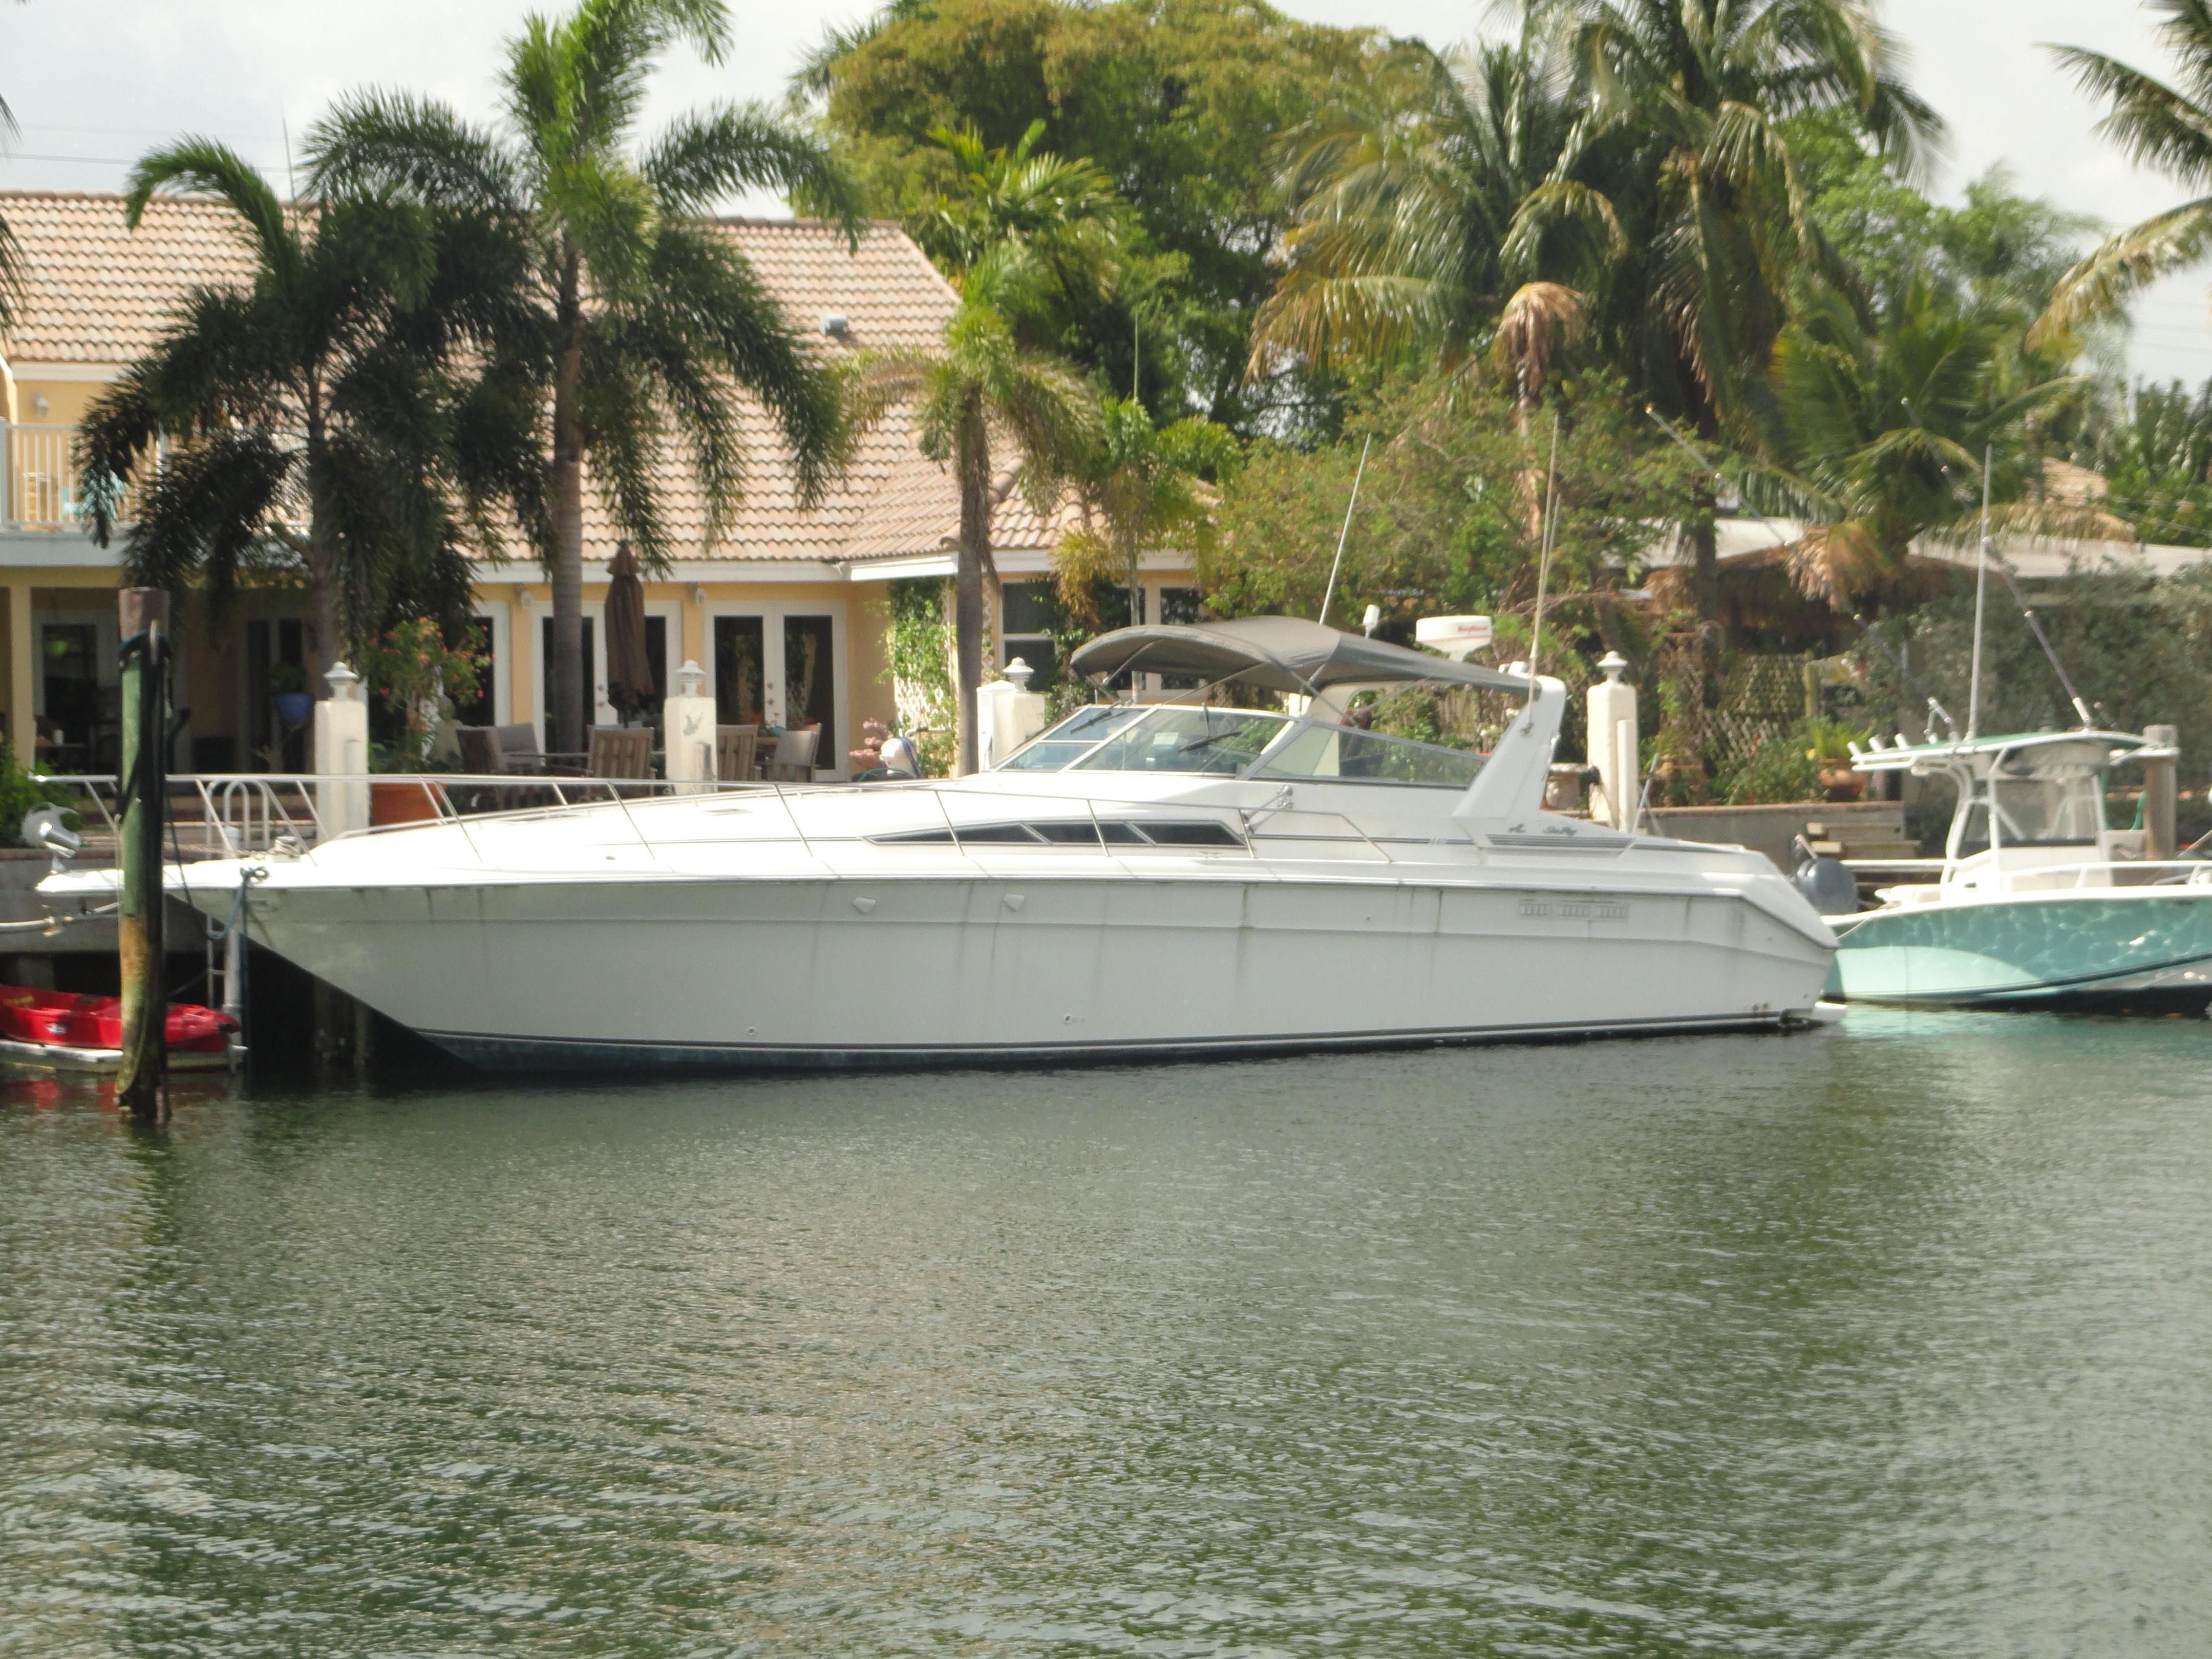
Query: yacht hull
(845, 972)
(2147, 949)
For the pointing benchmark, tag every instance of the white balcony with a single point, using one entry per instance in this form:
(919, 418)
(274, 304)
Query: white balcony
(38, 485)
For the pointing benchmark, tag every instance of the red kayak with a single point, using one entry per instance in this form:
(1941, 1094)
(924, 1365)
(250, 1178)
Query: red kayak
(66, 1027)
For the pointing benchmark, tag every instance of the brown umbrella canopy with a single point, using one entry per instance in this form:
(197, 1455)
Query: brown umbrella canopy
(629, 667)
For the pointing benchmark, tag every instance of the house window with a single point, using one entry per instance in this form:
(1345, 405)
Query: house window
(740, 671)
(1025, 617)
(1182, 604)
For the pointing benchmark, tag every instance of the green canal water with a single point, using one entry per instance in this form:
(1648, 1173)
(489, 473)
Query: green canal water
(1889, 1340)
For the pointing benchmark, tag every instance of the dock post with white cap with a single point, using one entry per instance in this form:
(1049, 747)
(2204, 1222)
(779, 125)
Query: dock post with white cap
(1613, 744)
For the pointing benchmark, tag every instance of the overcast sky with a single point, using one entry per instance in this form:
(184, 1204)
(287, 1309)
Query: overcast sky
(93, 82)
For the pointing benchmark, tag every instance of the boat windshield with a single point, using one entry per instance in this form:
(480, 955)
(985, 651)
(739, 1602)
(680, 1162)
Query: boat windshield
(1226, 742)
(1335, 751)
(2053, 796)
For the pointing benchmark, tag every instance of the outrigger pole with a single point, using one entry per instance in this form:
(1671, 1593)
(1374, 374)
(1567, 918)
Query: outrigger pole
(1329, 593)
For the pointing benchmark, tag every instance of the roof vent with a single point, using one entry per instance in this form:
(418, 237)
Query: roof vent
(836, 325)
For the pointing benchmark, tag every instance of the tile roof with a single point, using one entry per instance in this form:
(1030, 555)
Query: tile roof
(95, 292)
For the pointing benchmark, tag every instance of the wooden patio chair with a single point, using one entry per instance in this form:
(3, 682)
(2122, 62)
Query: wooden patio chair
(793, 760)
(736, 748)
(620, 752)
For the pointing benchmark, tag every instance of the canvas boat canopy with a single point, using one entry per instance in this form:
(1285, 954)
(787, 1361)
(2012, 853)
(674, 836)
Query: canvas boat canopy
(1280, 653)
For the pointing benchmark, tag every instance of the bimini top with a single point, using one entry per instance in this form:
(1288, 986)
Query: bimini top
(1281, 653)
(2023, 754)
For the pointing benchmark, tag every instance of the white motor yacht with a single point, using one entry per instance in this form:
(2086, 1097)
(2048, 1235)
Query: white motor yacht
(1169, 879)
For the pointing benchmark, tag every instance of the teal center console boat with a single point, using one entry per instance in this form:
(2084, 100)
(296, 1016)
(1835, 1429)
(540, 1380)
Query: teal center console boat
(2039, 904)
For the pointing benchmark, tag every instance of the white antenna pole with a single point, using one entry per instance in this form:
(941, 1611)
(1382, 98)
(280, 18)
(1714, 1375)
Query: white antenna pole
(1981, 596)
(1330, 591)
(1544, 557)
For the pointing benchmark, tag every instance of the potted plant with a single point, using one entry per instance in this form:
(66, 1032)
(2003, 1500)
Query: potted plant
(418, 675)
(287, 692)
(1828, 746)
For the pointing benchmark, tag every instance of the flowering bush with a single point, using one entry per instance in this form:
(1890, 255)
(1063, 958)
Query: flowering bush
(415, 672)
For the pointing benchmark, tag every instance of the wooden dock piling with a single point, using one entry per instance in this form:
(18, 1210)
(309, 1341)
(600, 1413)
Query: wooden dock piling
(141, 1085)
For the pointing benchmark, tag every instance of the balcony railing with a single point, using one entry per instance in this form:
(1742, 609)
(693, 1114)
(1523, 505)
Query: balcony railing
(38, 485)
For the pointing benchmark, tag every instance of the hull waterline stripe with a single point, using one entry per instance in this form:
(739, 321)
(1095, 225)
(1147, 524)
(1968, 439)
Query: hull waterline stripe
(526, 1051)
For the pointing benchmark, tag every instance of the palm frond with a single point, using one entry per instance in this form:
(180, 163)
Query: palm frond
(2105, 278)
(374, 142)
(2150, 123)
(709, 155)
(205, 167)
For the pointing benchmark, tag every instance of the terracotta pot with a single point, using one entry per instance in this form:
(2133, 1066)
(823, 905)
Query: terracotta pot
(1842, 784)
(403, 803)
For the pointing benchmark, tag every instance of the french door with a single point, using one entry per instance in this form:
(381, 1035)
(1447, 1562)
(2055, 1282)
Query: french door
(782, 663)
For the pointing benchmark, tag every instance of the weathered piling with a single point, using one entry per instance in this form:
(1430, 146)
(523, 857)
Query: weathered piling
(2160, 777)
(141, 1085)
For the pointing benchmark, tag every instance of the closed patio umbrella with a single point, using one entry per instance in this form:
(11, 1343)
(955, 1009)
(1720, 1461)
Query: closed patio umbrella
(629, 666)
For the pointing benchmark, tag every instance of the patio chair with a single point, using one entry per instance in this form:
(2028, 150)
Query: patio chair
(736, 748)
(480, 751)
(620, 752)
(480, 757)
(793, 760)
(519, 748)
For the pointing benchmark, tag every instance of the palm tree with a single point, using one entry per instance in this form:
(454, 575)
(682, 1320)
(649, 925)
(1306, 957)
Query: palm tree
(1887, 427)
(653, 324)
(984, 386)
(1688, 101)
(1424, 200)
(312, 428)
(1141, 485)
(2167, 127)
(1062, 211)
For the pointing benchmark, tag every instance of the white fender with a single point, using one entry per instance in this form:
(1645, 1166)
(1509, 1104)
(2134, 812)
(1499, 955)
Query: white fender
(1511, 783)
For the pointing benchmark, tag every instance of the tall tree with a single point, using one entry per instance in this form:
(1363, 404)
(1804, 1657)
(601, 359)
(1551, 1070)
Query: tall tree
(654, 324)
(314, 430)
(1690, 101)
(2158, 126)
(982, 386)
(1178, 102)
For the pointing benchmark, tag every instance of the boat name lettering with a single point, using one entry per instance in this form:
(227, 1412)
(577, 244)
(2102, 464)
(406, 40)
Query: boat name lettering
(1576, 910)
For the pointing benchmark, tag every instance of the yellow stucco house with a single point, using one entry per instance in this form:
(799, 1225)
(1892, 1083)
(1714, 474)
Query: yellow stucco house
(789, 614)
